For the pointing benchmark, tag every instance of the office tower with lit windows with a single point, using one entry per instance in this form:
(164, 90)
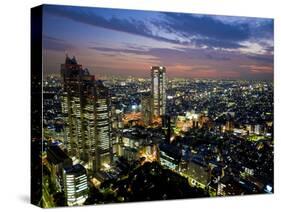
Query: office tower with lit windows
(166, 126)
(75, 185)
(158, 90)
(78, 110)
(85, 108)
(103, 124)
(146, 109)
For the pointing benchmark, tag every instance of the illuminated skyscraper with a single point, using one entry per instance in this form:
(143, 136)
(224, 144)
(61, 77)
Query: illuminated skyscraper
(85, 107)
(77, 108)
(75, 185)
(146, 109)
(158, 90)
(103, 124)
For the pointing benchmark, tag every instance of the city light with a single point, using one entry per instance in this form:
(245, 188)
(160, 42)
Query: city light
(134, 107)
(197, 122)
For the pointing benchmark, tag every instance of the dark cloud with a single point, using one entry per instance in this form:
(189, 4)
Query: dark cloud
(131, 51)
(52, 43)
(165, 54)
(169, 56)
(269, 49)
(217, 57)
(109, 55)
(214, 43)
(206, 26)
(198, 30)
(87, 16)
(132, 26)
(47, 37)
(214, 33)
(263, 30)
(262, 58)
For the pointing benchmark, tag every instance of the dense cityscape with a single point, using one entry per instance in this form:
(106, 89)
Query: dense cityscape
(121, 139)
(133, 105)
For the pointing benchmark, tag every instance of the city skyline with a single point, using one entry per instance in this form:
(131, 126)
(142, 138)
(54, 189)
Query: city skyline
(183, 139)
(129, 42)
(110, 136)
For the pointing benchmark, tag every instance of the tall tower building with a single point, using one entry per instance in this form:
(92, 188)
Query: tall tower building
(158, 90)
(146, 109)
(85, 108)
(103, 124)
(75, 185)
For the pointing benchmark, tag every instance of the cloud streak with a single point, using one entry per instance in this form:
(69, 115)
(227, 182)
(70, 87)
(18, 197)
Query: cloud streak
(56, 44)
(202, 31)
(189, 45)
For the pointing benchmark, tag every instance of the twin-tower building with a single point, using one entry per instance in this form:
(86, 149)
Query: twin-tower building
(86, 111)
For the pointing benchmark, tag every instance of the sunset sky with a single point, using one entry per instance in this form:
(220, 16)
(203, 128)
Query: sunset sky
(129, 42)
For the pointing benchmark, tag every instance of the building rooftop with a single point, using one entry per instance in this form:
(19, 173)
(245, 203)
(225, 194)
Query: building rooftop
(56, 155)
(75, 169)
(171, 150)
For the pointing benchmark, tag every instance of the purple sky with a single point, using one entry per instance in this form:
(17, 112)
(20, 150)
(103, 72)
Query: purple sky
(129, 42)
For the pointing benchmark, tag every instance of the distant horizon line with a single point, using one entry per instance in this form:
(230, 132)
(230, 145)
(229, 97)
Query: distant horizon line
(170, 78)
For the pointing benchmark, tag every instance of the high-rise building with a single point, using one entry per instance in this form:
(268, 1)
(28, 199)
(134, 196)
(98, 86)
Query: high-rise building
(85, 107)
(57, 161)
(103, 124)
(158, 90)
(146, 109)
(166, 126)
(78, 110)
(75, 185)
